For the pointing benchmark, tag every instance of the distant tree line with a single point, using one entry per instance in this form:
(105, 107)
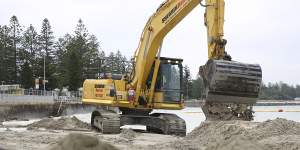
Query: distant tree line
(192, 88)
(71, 59)
(68, 60)
(279, 91)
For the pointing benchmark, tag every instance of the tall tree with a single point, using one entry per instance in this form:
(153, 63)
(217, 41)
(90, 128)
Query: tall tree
(91, 58)
(86, 48)
(197, 90)
(120, 61)
(47, 54)
(27, 79)
(15, 34)
(7, 58)
(81, 35)
(110, 63)
(29, 49)
(62, 59)
(74, 74)
(2, 56)
(187, 82)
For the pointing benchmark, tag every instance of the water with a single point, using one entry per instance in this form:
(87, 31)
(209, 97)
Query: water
(194, 116)
(263, 113)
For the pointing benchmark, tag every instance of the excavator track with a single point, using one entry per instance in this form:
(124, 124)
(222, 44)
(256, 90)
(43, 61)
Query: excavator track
(160, 123)
(107, 122)
(171, 124)
(231, 89)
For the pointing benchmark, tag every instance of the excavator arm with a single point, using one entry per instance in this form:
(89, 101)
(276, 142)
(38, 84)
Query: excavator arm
(167, 16)
(231, 88)
(229, 84)
(214, 21)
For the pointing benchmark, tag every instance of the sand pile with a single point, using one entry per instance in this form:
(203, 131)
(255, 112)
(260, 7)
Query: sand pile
(64, 123)
(236, 135)
(128, 134)
(75, 141)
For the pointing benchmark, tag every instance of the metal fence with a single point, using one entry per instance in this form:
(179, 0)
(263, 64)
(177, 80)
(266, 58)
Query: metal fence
(39, 96)
(28, 92)
(68, 97)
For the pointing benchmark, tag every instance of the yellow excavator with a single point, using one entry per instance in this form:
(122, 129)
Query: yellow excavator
(231, 88)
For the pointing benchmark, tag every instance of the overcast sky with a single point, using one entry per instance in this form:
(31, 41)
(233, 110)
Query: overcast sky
(266, 32)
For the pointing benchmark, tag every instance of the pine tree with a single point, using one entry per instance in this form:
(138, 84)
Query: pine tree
(47, 52)
(2, 56)
(186, 82)
(29, 49)
(80, 38)
(15, 34)
(101, 62)
(110, 63)
(90, 58)
(27, 79)
(120, 61)
(62, 59)
(74, 74)
(197, 88)
(7, 60)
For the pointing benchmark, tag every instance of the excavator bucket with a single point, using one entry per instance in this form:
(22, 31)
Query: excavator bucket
(231, 82)
(231, 89)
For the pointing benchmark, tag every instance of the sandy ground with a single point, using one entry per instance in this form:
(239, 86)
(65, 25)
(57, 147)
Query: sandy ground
(75, 133)
(45, 139)
(69, 133)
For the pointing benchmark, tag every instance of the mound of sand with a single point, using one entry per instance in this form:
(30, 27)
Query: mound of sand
(64, 123)
(75, 141)
(128, 134)
(236, 135)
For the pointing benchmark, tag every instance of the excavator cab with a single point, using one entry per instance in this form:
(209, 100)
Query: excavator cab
(169, 80)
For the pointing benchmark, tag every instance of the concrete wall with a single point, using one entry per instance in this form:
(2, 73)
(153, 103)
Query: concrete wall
(26, 111)
(8, 99)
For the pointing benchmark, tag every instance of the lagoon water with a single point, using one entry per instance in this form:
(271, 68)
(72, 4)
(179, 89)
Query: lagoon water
(263, 113)
(194, 116)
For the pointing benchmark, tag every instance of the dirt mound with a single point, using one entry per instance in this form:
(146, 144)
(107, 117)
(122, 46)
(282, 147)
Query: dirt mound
(75, 141)
(128, 134)
(277, 127)
(235, 143)
(236, 135)
(64, 123)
